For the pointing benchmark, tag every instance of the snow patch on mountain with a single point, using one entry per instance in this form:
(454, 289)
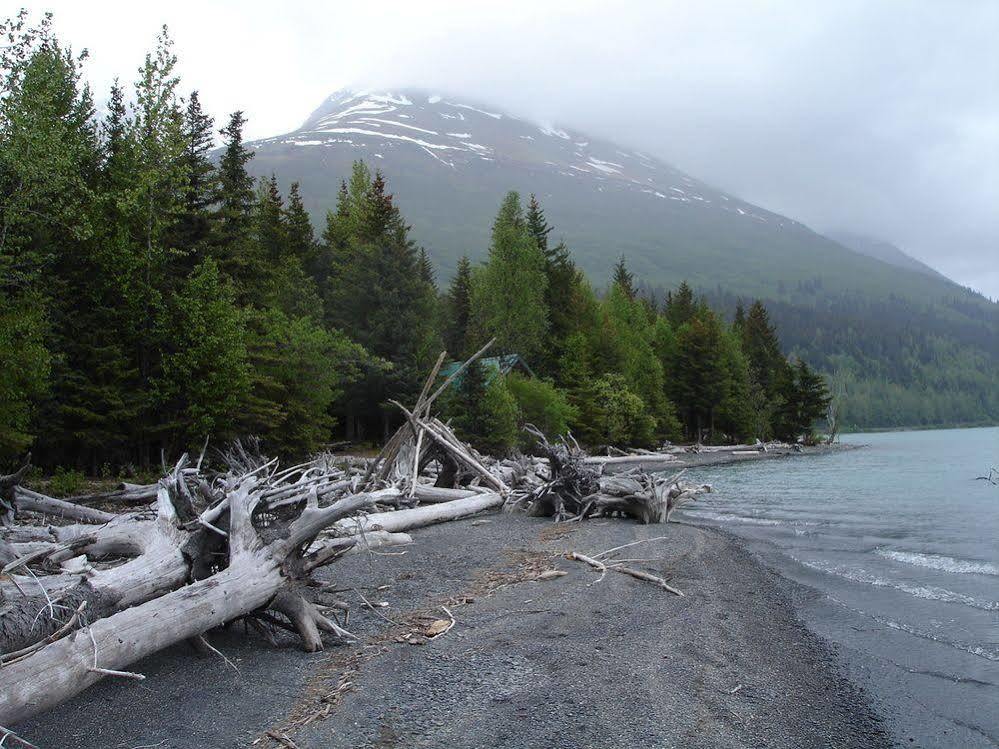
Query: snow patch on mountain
(552, 130)
(412, 120)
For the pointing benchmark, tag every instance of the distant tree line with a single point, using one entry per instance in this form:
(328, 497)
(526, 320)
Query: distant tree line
(151, 294)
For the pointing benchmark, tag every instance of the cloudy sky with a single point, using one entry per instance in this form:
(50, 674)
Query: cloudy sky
(875, 117)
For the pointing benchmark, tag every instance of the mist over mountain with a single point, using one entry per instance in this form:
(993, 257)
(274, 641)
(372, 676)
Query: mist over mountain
(888, 326)
(882, 250)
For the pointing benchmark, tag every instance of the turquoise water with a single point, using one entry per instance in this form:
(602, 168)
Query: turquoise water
(902, 543)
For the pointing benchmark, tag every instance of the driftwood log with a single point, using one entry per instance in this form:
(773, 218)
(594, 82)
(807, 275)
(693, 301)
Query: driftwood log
(86, 592)
(575, 488)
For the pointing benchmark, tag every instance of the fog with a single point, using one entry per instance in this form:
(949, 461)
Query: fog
(875, 118)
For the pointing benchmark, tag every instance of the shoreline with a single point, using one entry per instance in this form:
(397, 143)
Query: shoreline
(561, 662)
(720, 456)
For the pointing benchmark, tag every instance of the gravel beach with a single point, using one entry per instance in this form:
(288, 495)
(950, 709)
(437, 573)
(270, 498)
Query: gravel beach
(561, 662)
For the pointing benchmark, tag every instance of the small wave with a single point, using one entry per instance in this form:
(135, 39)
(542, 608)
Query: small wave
(978, 650)
(990, 654)
(929, 592)
(940, 562)
(724, 518)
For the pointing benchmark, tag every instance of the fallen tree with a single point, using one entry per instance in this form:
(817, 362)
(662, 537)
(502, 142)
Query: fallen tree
(85, 592)
(575, 488)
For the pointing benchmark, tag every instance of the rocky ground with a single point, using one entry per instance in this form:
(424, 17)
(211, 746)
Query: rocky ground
(561, 662)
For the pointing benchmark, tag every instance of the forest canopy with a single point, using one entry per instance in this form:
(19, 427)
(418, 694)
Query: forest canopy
(152, 293)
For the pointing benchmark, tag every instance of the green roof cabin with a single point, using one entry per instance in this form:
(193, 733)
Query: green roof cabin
(494, 365)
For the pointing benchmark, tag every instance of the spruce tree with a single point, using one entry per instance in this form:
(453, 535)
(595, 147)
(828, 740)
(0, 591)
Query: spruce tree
(681, 306)
(300, 236)
(205, 377)
(759, 342)
(561, 298)
(48, 165)
(803, 399)
(537, 225)
(509, 299)
(194, 229)
(234, 212)
(114, 131)
(623, 278)
(269, 223)
(740, 319)
(699, 379)
(458, 309)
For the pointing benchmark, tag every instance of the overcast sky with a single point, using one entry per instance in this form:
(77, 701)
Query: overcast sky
(875, 117)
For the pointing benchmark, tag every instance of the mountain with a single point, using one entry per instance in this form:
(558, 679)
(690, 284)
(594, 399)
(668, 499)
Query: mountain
(890, 330)
(883, 251)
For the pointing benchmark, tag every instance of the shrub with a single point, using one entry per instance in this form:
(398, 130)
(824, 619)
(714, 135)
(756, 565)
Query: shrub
(482, 411)
(542, 404)
(501, 418)
(613, 415)
(66, 482)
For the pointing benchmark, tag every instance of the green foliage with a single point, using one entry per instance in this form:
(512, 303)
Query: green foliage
(699, 383)
(804, 400)
(205, 376)
(610, 414)
(680, 307)
(759, 341)
(237, 255)
(458, 309)
(623, 280)
(483, 411)
(502, 431)
(24, 374)
(508, 296)
(736, 414)
(149, 297)
(625, 345)
(542, 404)
(66, 482)
(299, 369)
(376, 291)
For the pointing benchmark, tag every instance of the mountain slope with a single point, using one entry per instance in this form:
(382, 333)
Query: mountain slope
(449, 162)
(881, 250)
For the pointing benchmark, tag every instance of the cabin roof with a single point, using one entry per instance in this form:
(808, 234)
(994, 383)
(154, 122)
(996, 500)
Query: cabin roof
(494, 364)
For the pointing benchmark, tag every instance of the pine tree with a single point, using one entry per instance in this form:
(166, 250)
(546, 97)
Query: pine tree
(234, 214)
(735, 414)
(300, 236)
(509, 299)
(804, 398)
(381, 294)
(681, 306)
(623, 279)
(699, 379)
(358, 187)
(48, 162)
(483, 411)
(114, 130)
(337, 260)
(426, 268)
(24, 376)
(740, 320)
(537, 225)
(458, 308)
(299, 369)
(269, 223)
(195, 225)
(561, 297)
(204, 377)
(759, 341)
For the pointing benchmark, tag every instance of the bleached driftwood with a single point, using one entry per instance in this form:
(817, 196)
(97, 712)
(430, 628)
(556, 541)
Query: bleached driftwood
(575, 488)
(85, 597)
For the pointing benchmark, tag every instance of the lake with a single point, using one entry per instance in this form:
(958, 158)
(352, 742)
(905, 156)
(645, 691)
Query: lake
(902, 543)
